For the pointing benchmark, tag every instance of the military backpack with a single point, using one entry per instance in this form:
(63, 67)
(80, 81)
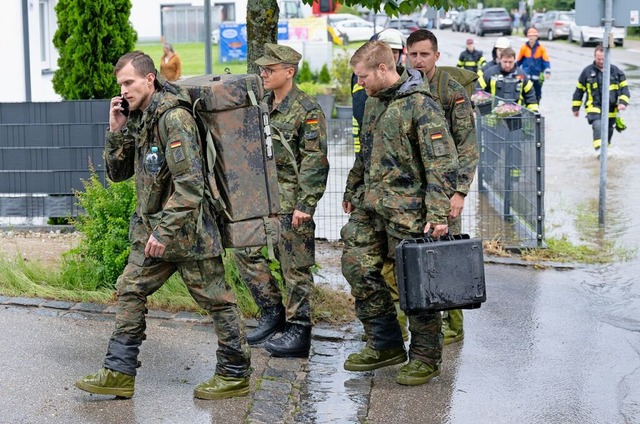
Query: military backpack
(467, 80)
(239, 163)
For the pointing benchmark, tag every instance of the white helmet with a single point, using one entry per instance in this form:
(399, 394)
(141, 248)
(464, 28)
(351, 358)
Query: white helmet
(502, 43)
(392, 37)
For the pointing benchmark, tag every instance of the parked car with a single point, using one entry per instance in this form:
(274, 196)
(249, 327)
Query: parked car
(446, 21)
(586, 35)
(535, 21)
(458, 21)
(405, 25)
(555, 24)
(470, 19)
(354, 30)
(493, 19)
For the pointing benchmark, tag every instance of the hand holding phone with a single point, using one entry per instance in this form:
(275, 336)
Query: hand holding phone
(124, 104)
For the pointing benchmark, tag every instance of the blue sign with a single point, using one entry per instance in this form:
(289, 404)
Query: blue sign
(233, 42)
(283, 30)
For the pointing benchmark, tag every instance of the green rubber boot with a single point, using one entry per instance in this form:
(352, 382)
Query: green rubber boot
(452, 326)
(415, 373)
(108, 382)
(220, 387)
(370, 359)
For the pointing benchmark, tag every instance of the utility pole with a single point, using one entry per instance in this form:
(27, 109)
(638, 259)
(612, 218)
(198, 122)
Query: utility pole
(207, 38)
(604, 121)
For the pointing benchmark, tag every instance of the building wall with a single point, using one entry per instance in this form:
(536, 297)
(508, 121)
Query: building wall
(13, 49)
(146, 15)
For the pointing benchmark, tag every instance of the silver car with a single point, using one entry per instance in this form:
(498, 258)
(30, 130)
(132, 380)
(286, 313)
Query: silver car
(555, 24)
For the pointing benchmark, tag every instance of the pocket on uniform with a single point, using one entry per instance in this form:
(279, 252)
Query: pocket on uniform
(439, 142)
(404, 213)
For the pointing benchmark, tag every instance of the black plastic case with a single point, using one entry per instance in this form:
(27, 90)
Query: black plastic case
(440, 274)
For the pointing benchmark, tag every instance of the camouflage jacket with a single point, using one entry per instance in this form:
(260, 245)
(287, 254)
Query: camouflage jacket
(462, 128)
(171, 204)
(409, 157)
(300, 121)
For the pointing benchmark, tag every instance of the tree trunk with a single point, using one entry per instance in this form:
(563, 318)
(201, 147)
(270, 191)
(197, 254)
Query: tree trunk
(262, 27)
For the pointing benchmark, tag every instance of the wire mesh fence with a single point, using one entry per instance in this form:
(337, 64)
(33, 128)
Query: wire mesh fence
(41, 143)
(506, 200)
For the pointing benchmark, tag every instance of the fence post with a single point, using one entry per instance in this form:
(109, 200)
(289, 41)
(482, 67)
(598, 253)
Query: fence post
(539, 181)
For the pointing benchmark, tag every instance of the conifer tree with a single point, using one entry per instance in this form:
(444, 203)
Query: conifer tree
(91, 37)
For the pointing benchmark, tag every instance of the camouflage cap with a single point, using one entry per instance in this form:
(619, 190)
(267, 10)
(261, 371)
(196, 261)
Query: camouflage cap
(275, 53)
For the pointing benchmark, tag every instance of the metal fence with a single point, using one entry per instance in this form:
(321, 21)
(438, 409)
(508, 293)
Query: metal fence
(508, 200)
(46, 150)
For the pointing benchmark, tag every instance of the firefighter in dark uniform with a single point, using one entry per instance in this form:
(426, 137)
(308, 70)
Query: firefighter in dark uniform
(508, 82)
(590, 83)
(470, 58)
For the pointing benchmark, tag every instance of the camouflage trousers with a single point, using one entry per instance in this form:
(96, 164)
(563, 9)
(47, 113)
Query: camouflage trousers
(370, 241)
(296, 253)
(206, 284)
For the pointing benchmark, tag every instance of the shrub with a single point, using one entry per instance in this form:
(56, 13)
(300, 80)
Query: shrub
(103, 250)
(325, 76)
(305, 74)
(91, 37)
(341, 72)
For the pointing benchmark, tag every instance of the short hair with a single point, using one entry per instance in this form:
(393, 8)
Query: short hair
(599, 48)
(508, 52)
(141, 62)
(422, 35)
(295, 68)
(372, 54)
(169, 46)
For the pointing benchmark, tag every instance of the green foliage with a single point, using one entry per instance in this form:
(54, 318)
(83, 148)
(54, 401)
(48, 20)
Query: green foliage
(325, 76)
(400, 7)
(91, 37)
(313, 89)
(103, 250)
(341, 72)
(304, 73)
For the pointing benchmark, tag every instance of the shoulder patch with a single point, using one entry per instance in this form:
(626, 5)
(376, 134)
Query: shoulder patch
(307, 103)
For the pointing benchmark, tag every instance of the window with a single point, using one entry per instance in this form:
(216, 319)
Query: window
(45, 11)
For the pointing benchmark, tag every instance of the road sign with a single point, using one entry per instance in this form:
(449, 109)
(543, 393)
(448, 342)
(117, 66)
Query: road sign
(591, 12)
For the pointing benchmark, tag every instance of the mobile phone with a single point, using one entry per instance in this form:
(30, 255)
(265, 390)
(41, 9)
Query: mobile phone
(125, 106)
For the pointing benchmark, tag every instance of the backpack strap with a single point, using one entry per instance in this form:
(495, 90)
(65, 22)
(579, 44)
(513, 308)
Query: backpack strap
(443, 84)
(211, 191)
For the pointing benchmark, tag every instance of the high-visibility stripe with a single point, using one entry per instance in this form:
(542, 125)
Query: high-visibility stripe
(613, 87)
(623, 83)
(580, 86)
(597, 143)
(576, 103)
(623, 97)
(493, 86)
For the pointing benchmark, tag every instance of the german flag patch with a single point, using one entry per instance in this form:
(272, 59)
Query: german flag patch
(311, 121)
(436, 136)
(175, 144)
(460, 100)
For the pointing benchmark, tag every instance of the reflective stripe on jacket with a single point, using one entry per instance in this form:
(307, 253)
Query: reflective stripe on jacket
(589, 83)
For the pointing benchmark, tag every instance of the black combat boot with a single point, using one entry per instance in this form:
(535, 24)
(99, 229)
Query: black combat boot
(295, 342)
(271, 321)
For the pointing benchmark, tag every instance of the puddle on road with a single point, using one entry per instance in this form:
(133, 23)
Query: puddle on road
(330, 394)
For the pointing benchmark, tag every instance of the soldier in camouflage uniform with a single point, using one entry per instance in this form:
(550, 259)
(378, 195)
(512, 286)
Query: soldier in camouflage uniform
(410, 164)
(423, 54)
(172, 230)
(300, 143)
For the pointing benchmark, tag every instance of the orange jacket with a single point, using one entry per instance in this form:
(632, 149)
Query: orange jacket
(533, 60)
(171, 69)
